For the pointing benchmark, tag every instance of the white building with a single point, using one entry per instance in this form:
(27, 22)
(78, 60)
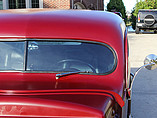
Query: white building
(15, 4)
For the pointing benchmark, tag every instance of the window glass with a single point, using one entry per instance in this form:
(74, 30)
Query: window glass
(1, 4)
(12, 4)
(70, 56)
(17, 4)
(35, 3)
(11, 55)
(21, 4)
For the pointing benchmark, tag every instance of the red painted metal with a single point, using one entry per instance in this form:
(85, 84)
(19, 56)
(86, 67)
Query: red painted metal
(110, 94)
(32, 107)
(76, 95)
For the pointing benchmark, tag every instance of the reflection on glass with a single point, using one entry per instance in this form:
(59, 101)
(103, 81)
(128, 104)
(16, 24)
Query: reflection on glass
(69, 56)
(11, 55)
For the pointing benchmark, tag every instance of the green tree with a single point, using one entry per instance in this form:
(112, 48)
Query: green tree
(139, 5)
(117, 5)
(133, 19)
(151, 4)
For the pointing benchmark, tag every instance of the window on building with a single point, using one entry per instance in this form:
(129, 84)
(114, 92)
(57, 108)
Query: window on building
(1, 4)
(12, 4)
(35, 3)
(21, 4)
(17, 4)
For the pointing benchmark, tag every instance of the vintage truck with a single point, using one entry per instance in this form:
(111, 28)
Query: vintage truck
(64, 64)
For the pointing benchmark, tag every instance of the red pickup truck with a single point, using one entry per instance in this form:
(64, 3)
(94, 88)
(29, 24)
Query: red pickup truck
(63, 64)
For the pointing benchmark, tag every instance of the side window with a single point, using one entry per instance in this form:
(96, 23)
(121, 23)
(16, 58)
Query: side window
(12, 55)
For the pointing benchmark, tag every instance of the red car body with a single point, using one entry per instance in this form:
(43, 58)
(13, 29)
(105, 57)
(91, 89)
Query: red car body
(31, 93)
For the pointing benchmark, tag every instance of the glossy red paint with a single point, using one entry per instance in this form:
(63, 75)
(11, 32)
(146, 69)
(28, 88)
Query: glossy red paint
(34, 107)
(110, 94)
(37, 93)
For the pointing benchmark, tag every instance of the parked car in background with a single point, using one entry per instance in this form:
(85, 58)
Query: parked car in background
(146, 20)
(64, 64)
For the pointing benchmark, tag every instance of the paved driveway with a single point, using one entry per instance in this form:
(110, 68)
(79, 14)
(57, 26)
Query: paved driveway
(144, 98)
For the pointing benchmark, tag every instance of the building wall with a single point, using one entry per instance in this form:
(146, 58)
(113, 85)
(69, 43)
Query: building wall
(57, 4)
(89, 4)
(74, 4)
(61, 4)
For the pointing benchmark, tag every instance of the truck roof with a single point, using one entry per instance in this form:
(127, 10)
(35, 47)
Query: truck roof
(48, 23)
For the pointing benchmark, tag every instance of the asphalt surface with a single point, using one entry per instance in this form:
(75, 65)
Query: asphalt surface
(144, 96)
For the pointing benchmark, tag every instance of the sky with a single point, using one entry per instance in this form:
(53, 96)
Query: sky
(129, 4)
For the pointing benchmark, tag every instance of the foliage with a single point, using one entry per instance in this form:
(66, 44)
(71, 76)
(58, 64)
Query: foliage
(118, 6)
(147, 4)
(133, 19)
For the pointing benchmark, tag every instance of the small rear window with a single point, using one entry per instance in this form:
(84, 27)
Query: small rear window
(65, 56)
